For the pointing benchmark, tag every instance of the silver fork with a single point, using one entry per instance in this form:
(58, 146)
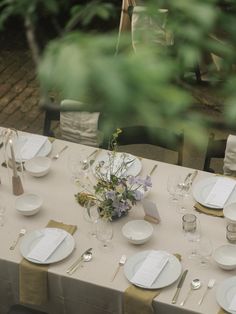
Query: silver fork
(21, 234)
(59, 153)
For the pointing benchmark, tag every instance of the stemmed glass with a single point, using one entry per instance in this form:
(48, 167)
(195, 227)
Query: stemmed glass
(173, 186)
(192, 231)
(78, 168)
(104, 232)
(184, 195)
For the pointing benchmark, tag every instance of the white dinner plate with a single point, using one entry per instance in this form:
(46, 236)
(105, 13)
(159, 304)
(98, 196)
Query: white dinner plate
(202, 189)
(170, 273)
(134, 169)
(225, 293)
(62, 251)
(44, 150)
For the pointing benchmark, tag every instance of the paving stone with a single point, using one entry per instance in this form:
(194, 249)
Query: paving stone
(7, 99)
(20, 86)
(12, 106)
(28, 104)
(4, 88)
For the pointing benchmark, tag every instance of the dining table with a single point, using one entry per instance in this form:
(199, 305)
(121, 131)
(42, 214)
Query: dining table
(91, 289)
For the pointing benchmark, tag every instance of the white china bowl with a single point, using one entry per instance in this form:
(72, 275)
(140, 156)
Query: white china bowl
(225, 256)
(137, 231)
(28, 204)
(38, 166)
(229, 212)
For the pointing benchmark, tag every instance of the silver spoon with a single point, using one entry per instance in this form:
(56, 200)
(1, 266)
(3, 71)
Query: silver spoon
(86, 257)
(59, 153)
(195, 284)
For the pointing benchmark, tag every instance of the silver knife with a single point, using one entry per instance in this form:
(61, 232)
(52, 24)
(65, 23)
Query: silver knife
(78, 260)
(180, 284)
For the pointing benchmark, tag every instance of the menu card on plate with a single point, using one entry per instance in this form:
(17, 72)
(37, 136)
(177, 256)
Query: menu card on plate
(47, 244)
(220, 192)
(150, 269)
(30, 147)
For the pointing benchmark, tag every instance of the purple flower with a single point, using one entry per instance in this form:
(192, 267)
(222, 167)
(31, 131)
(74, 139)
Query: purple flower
(111, 195)
(138, 195)
(147, 183)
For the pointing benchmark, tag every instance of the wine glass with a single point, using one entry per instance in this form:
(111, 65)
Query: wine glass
(191, 228)
(184, 197)
(104, 232)
(91, 215)
(78, 168)
(172, 186)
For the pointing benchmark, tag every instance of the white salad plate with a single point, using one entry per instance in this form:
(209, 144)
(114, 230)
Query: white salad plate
(225, 293)
(62, 251)
(133, 168)
(202, 189)
(21, 140)
(169, 274)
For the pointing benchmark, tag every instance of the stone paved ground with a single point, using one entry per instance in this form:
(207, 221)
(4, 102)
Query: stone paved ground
(19, 92)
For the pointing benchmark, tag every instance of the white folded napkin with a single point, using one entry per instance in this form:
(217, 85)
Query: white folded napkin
(232, 305)
(30, 147)
(47, 244)
(220, 192)
(150, 269)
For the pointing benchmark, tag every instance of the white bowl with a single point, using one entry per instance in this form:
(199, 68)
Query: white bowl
(38, 166)
(225, 256)
(28, 204)
(229, 212)
(137, 231)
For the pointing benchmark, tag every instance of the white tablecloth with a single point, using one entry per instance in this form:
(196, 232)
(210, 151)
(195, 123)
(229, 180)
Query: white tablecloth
(90, 290)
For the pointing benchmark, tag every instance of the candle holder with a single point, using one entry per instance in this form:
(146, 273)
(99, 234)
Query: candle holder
(9, 134)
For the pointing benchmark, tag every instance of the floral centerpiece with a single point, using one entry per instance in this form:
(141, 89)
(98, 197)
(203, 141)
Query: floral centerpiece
(114, 192)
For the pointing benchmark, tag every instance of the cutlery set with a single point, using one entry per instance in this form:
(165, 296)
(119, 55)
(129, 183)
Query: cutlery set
(194, 285)
(85, 257)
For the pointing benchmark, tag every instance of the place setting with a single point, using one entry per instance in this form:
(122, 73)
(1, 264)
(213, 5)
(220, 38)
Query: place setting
(213, 193)
(39, 249)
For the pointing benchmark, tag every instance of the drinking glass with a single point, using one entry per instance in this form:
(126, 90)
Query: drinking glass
(173, 187)
(204, 251)
(191, 228)
(77, 166)
(91, 215)
(104, 232)
(184, 196)
(231, 232)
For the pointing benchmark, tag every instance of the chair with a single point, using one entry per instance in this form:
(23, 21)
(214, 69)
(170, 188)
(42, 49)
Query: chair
(153, 136)
(21, 309)
(52, 113)
(215, 149)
